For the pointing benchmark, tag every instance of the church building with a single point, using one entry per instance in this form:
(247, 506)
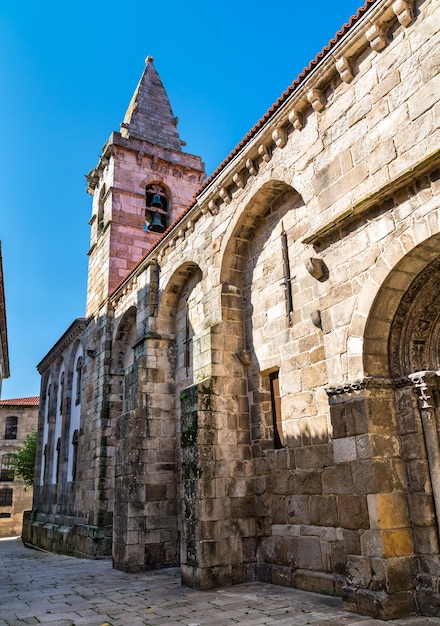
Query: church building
(253, 392)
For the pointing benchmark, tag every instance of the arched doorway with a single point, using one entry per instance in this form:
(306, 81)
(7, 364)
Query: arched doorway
(401, 390)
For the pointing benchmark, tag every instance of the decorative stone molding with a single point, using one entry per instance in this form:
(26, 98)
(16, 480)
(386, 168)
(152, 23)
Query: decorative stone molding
(213, 207)
(316, 99)
(345, 70)
(370, 382)
(74, 332)
(315, 316)
(403, 11)
(415, 329)
(239, 179)
(280, 137)
(244, 356)
(250, 165)
(347, 387)
(427, 166)
(316, 268)
(377, 37)
(426, 384)
(296, 119)
(264, 153)
(225, 195)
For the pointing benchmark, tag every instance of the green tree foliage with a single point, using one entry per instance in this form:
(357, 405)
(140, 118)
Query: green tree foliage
(24, 459)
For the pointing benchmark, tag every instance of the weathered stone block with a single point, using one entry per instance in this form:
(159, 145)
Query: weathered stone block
(323, 510)
(359, 572)
(353, 512)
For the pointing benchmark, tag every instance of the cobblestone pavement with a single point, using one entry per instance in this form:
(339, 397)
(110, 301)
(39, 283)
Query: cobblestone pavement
(41, 588)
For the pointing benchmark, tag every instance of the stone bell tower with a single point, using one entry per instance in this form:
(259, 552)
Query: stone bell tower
(142, 183)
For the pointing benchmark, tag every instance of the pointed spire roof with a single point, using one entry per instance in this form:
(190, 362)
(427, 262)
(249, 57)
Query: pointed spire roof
(149, 115)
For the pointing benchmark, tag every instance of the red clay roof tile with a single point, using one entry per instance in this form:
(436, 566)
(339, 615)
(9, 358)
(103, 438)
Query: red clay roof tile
(30, 401)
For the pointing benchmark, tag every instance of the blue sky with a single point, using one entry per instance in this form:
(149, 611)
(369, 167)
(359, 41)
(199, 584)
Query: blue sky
(67, 73)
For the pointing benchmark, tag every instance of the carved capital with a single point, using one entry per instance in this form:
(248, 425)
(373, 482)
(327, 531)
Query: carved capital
(377, 37)
(426, 384)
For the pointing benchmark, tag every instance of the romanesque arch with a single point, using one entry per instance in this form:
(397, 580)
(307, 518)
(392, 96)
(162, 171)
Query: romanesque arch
(401, 360)
(400, 333)
(122, 360)
(274, 198)
(260, 266)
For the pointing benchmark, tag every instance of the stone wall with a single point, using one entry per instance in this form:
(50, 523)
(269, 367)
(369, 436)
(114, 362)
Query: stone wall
(250, 398)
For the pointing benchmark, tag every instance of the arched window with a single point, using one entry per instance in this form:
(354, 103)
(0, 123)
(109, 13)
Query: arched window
(11, 428)
(58, 425)
(58, 459)
(100, 224)
(7, 471)
(61, 395)
(6, 496)
(75, 454)
(79, 365)
(44, 464)
(44, 459)
(156, 216)
(277, 422)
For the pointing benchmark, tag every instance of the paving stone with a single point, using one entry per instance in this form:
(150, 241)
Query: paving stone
(64, 591)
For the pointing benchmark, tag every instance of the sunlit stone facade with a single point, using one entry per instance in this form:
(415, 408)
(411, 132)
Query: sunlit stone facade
(259, 389)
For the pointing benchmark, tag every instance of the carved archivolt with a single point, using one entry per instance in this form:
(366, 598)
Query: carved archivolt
(415, 331)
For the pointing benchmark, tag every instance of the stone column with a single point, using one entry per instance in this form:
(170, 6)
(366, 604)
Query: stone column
(426, 384)
(218, 506)
(372, 483)
(145, 526)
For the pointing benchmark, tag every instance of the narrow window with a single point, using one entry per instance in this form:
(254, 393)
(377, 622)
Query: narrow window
(278, 437)
(43, 473)
(100, 219)
(79, 365)
(75, 454)
(58, 459)
(11, 428)
(7, 471)
(6, 496)
(187, 341)
(61, 394)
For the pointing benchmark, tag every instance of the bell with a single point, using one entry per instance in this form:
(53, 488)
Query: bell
(156, 225)
(157, 201)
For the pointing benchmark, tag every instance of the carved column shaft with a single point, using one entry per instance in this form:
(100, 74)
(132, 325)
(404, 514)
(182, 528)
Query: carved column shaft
(426, 386)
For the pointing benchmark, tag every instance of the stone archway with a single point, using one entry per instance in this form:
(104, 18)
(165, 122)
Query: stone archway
(414, 354)
(401, 356)
(414, 341)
